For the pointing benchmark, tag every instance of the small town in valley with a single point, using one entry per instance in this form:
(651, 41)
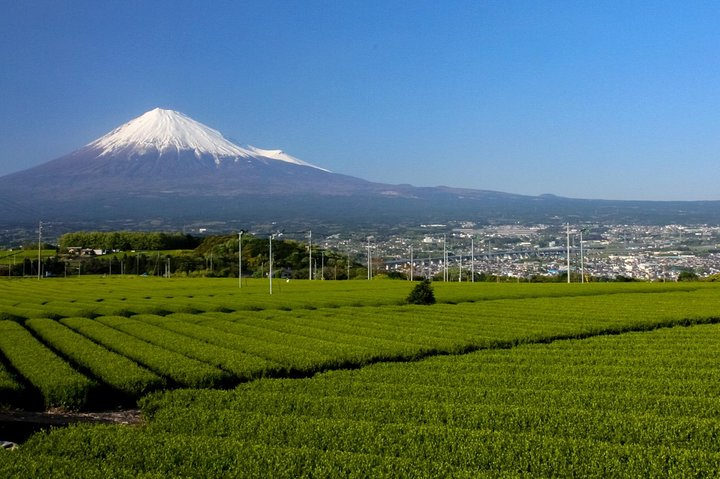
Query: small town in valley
(540, 252)
(465, 251)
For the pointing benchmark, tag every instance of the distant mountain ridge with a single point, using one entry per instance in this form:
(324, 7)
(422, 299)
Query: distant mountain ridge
(167, 166)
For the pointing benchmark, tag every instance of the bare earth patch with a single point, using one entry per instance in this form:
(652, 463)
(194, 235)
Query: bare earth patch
(16, 426)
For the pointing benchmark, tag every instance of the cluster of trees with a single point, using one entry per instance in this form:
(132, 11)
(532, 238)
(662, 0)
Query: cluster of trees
(290, 258)
(128, 240)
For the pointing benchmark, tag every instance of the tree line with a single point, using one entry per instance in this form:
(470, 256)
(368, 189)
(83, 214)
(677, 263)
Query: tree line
(158, 253)
(128, 240)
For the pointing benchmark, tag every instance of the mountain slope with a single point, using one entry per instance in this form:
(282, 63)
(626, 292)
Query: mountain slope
(165, 150)
(164, 166)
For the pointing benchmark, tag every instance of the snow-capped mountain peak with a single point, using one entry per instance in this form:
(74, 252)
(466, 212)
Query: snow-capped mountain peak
(162, 130)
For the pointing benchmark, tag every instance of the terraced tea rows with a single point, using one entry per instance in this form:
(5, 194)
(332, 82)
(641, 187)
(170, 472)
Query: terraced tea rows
(635, 404)
(116, 359)
(621, 406)
(126, 296)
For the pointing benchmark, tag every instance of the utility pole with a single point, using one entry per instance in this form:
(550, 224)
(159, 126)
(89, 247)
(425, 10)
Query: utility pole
(310, 268)
(239, 258)
(445, 270)
(39, 248)
(411, 263)
(271, 261)
(460, 268)
(568, 253)
(582, 259)
(472, 259)
(369, 255)
(348, 261)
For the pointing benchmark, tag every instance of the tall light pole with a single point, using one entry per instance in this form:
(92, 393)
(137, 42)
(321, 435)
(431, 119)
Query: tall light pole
(369, 255)
(270, 260)
(445, 269)
(310, 268)
(582, 259)
(39, 246)
(411, 263)
(472, 259)
(460, 268)
(239, 258)
(568, 253)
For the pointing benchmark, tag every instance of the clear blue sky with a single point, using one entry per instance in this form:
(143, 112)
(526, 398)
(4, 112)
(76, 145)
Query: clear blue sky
(596, 99)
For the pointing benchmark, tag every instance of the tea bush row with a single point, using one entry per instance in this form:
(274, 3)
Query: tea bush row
(126, 296)
(59, 384)
(119, 372)
(181, 370)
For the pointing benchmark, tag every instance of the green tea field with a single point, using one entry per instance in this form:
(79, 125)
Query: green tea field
(342, 379)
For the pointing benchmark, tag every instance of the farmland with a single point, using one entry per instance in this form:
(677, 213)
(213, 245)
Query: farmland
(343, 379)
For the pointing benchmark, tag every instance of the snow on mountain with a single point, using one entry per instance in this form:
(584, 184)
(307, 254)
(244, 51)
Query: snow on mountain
(280, 156)
(162, 130)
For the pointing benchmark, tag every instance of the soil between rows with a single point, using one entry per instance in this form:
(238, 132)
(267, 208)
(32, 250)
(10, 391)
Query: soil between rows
(17, 426)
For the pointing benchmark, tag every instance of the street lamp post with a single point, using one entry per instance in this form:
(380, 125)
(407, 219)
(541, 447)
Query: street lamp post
(472, 259)
(568, 252)
(460, 265)
(582, 259)
(411, 263)
(369, 266)
(275, 235)
(445, 257)
(39, 249)
(240, 258)
(271, 262)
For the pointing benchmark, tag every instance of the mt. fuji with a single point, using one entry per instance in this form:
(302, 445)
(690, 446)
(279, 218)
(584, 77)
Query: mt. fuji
(168, 132)
(165, 164)
(165, 151)
(166, 168)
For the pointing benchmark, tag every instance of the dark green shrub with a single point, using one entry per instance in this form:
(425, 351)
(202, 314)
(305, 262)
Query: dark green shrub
(422, 293)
